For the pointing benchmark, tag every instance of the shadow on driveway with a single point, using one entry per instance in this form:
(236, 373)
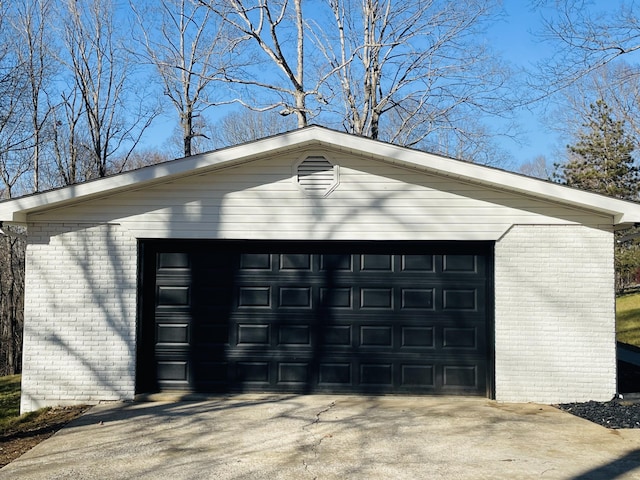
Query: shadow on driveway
(331, 437)
(618, 468)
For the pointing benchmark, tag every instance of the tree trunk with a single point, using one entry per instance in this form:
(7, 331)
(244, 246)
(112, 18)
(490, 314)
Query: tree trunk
(11, 301)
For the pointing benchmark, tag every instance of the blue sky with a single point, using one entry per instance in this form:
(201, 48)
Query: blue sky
(513, 37)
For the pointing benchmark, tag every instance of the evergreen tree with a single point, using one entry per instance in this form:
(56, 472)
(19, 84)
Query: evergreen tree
(601, 161)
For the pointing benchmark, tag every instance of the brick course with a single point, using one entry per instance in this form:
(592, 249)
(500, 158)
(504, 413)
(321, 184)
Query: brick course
(80, 315)
(554, 315)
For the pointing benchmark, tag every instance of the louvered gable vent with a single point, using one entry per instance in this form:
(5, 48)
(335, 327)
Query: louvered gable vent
(316, 176)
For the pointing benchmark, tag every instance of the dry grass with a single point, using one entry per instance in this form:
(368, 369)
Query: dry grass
(19, 433)
(628, 319)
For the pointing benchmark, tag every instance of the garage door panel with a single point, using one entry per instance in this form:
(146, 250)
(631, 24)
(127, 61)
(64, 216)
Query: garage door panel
(417, 263)
(460, 376)
(379, 298)
(337, 335)
(254, 316)
(376, 336)
(173, 332)
(253, 335)
(417, 375)
(212, 375)
(417, 298)
(460, 337)
(335, 262)
(295, 374)
(336, 297)
(376, 263)
(211, 335)
(294, 335)
(253, 372)
(460, 299)
(336, 374)
(171, 296)
(417, 337)
(173, 371)
(459, 263)
(295, 297)
(172, 261)
(255, 261)
(254, 297)
(376, 375)
(295, 261)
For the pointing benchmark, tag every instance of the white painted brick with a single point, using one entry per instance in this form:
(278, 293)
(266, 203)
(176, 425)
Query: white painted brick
(554, 315)
(79, 325)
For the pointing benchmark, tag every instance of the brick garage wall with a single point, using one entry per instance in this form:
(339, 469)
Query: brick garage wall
(554, 315)
(80, 315)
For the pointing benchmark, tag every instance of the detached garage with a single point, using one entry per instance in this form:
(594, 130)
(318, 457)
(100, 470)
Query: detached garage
(317, 261)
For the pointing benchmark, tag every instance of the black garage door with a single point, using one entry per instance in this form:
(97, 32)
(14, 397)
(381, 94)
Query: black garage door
(378, 317)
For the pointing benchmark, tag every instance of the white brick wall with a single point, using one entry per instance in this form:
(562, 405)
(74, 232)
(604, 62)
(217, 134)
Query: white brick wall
(80, 315)
(554, 315)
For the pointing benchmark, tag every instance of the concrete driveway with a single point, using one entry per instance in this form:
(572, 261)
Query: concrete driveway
(331, 437)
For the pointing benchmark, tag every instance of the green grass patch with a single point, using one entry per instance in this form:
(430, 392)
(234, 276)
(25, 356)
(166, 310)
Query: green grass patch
(10, 418)
(9, 399)
(628, 319)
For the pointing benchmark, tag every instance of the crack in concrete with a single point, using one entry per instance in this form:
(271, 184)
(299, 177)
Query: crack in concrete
(329, 407)
(314, 446)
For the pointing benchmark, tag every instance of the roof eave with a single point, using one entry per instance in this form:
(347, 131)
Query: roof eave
(17, 210)
(621, 212)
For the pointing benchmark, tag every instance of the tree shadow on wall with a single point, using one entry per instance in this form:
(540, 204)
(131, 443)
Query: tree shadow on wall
(271, 316)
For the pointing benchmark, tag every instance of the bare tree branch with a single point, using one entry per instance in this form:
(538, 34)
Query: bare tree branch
(263, 24)
(584, 40)
(100, 69)
(414, 62)
(187, 45)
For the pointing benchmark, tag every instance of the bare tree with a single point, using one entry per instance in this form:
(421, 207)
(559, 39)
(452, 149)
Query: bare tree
(12, 250)
(277, 30)
(539, 167)
(398, 71)
(14, 134)
(141, 158)
(102, 84)
(245, 126)
(186, 43)
(13, 140)
(406, 70)
(31, 25)
(585, 38)
(14, 165)
(70, 151)
(613, 83)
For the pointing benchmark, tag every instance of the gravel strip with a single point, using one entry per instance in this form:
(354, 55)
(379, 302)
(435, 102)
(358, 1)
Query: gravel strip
(621, 412)
(613, 414)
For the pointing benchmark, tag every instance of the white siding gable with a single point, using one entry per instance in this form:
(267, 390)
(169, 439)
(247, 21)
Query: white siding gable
(373, 201)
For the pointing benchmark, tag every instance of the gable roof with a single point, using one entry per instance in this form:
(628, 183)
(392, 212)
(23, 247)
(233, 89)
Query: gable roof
(623, 213)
